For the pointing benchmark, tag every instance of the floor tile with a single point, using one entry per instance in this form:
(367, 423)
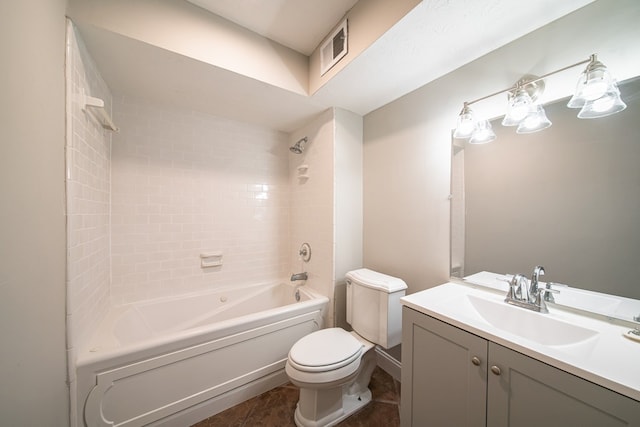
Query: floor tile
(276, 408)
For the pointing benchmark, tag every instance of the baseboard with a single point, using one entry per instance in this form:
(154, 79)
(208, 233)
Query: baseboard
(227, 400)
(388, 362)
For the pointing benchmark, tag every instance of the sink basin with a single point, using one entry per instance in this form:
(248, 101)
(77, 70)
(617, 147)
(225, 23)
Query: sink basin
(584, 345)
(540, 328)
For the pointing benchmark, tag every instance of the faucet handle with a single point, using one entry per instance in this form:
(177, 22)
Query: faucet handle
(549, 291)
(556, 285)
(511, 293)
(516, 287)
(540, 302)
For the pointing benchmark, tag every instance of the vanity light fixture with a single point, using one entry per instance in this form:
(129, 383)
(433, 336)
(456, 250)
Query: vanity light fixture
(521, 99)
(518, 108)
(535, 120)
(608, 104)
(596, 94)
(466, 123)
(482, 133)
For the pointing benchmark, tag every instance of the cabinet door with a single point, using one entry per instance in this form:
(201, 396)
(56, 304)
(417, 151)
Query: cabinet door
(444, 374)
(527, 392)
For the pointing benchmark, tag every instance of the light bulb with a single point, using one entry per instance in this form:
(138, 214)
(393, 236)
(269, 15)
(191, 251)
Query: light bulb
(483, 133)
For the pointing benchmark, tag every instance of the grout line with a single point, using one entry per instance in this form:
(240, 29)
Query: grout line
(389, 402)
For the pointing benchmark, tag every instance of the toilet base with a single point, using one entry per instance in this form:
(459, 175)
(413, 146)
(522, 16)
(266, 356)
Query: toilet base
(350, 404)
(324, 404)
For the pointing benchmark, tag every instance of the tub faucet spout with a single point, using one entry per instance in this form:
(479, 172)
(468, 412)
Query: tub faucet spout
(299, 276)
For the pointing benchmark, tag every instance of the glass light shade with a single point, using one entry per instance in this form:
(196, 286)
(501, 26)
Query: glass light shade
(606, 105)
(536, 120)
(465, 124)
(483, 133)
(518, 108)
(577, 100)
(593, 83)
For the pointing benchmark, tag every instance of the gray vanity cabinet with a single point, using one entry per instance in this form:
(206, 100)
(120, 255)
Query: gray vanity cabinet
(451, 377)
(444, 374)
(528, 392)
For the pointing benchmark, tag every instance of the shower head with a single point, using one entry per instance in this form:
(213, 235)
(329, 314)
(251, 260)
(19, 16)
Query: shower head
(298, 148)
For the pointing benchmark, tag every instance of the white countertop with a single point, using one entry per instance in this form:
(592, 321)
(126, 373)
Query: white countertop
(608, 358)
(613, 306)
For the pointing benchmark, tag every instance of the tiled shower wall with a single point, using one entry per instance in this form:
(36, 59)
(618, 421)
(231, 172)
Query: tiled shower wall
(185, 183)
(312, 192)
(176, 184)
(87, 181)
(88, 152)
(326, 205)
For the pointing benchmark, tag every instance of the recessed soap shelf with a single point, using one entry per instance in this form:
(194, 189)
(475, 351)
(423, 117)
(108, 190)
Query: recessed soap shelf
(211, 259)
(303, 172)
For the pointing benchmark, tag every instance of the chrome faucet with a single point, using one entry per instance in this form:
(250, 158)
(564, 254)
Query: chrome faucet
(299, 276)
(518, 290)
(548, 295)
(636, 330)
(529, 296)
(533, 287)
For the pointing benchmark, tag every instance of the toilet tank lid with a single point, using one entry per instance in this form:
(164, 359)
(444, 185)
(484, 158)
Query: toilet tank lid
(375, 280)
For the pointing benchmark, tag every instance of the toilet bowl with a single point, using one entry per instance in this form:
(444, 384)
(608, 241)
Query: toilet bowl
(333, 367)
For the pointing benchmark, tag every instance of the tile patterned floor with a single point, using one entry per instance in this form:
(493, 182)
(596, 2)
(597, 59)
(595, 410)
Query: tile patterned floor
(276, 407)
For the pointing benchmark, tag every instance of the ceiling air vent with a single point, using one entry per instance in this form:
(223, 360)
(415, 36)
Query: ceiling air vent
(334, 48)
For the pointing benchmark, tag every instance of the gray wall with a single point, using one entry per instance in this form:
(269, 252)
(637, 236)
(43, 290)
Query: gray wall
(407, 143)
(567, 198)
(32, 225)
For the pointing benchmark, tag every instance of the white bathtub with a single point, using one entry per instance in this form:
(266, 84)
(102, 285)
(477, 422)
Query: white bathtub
(175, 362)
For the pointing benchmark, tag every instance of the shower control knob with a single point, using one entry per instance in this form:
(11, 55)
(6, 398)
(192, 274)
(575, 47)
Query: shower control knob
(305, 252)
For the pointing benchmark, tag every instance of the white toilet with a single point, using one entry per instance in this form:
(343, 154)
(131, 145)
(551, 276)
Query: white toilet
(333, 367)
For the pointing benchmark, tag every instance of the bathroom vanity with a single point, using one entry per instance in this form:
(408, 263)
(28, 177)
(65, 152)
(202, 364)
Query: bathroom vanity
(470, 359)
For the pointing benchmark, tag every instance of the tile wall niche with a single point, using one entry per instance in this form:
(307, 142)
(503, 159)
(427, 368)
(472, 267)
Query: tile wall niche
(186, 183)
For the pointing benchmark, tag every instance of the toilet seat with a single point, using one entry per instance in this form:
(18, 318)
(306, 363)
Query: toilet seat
(325, 350)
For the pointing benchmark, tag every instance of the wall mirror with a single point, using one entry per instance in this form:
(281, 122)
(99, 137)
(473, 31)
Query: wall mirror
(567, 198)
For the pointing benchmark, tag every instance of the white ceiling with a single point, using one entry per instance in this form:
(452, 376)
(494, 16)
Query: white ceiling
(435, 38)
(298, 24)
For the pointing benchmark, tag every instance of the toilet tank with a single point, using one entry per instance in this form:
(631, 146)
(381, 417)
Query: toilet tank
(373, 306)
